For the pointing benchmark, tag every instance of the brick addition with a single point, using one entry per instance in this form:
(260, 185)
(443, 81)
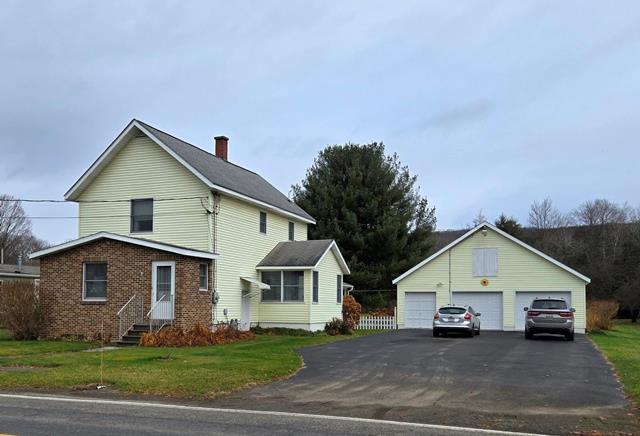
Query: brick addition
(129, 269)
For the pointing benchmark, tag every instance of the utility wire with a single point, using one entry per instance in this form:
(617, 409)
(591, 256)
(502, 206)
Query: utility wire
(39, 200)
(97, 216)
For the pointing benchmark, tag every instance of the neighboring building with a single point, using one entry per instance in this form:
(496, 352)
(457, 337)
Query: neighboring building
(14, 273)
(495, 273)
(149, 186)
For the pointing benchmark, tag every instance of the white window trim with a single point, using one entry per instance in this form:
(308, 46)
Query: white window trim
(144, 232)
(291, 230)
(282, 300)
(206, 288)
(84, 282)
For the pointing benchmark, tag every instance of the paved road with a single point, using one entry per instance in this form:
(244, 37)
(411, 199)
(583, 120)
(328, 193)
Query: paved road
(41, 416)
(495, 380)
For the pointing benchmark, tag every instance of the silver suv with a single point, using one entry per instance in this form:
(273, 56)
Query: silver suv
(453, 318)
(549, 315)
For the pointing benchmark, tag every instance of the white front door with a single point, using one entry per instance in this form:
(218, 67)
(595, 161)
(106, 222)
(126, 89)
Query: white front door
(245, 313)
(489, 304)
(419, 308)
(163, 290)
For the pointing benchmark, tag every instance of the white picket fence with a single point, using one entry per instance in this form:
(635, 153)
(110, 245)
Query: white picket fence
(378, 322)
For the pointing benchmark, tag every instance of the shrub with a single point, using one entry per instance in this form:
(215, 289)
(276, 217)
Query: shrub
(350, 312)
(382, 312)
(197, 336)
(600, 314)
(337, 327)
(280, 331)
(20, 310)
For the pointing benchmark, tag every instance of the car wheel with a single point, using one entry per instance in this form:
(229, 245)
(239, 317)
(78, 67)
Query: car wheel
(470, 334)
(478, 331)
(570, 336)
(436, 333)
(527, 334)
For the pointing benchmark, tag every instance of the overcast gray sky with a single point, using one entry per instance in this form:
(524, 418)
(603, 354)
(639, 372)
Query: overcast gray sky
(492, 104)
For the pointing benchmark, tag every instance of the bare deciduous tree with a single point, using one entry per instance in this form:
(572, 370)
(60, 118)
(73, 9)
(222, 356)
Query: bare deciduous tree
(16, 238)
(543, 215)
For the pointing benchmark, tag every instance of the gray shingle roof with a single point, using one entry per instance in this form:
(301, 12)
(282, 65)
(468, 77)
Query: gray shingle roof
(226, 174)
(296, 253)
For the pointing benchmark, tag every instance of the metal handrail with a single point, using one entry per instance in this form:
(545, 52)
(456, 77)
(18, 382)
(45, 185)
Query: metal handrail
(125, 305)
(153, 306)
(130, 314)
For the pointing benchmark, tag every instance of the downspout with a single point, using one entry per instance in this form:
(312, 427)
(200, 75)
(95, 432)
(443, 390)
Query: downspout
(450, 292)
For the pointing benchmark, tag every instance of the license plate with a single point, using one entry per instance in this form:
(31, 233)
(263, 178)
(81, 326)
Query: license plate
(549, 315)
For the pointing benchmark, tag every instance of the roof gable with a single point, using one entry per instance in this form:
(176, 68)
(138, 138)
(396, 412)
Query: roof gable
(214, 172)
(502, 233)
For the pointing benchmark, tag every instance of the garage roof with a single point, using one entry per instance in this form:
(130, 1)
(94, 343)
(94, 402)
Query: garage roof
(500, 232)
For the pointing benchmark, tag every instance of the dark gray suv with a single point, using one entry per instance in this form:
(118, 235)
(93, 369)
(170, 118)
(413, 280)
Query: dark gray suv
(549, 315)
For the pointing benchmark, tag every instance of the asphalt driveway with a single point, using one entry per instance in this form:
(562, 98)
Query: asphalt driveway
(496, 380)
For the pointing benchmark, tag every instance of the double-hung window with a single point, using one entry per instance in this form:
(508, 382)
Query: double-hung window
(316, 279)
(263, 222)
(204, 276)
(339, 288)
(142, 215)
(485, 262)
(292, 231)
(94, 281)
(284, 286)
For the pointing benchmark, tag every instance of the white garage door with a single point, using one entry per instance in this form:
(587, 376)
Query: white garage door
(489, 304)
(524, 299)
(419, 308)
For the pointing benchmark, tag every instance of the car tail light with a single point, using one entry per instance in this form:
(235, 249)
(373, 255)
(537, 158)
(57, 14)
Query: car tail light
(533, 313)
(436, 316)
(467, 316)
(566, 314)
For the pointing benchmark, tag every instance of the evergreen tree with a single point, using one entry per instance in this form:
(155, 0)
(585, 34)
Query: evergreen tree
(509, 225)
(370, 204)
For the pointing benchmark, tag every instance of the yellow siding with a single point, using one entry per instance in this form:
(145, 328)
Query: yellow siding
(518, 269)
(141, 169)
(242, 247)
(327, 307)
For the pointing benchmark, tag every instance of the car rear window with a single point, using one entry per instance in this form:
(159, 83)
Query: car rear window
(452, 310)
(549, 304)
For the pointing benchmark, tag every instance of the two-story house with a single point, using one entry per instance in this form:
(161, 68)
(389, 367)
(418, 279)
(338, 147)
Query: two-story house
(172, 234)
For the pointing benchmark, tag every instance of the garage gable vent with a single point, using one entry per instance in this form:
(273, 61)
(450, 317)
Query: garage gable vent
(485, 262)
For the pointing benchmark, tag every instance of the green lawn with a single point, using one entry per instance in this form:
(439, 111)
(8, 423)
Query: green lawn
(622, 347)
(195, 372)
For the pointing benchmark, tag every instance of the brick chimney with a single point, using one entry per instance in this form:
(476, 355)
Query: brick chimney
(222, 147)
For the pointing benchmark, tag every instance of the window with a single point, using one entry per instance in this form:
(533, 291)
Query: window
(204, 277)
(263, 222)
(293, 288)
(285, 286)
(142, 215)
(94, 279)
(292, 231)
(549, 304)
(485, 262)
(452, 310)
(339, 289)
(315, 286)
(274, 279)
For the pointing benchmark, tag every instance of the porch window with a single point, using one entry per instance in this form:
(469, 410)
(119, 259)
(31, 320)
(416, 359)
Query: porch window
(285, 286)
(293, 286)
(142, 215)
(94, 279)
(204, 277)
(273, 279)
